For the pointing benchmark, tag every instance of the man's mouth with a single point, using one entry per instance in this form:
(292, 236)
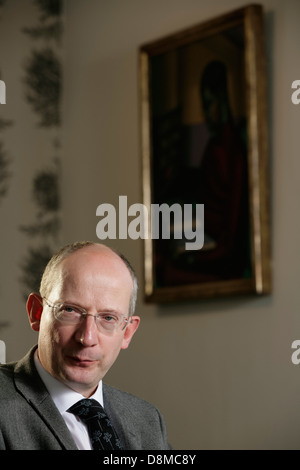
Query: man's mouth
(81, 361)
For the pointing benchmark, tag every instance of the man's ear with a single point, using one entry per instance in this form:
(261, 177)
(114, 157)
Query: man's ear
(34, 309)
(130, 330)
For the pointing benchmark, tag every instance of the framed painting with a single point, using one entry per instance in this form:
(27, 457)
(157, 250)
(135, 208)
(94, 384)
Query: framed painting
(204, 145)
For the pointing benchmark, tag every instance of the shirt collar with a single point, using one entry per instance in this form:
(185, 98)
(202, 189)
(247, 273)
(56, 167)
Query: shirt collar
(63, 396)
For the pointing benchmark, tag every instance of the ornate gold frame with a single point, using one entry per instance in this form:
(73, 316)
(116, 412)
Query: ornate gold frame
(252, 21)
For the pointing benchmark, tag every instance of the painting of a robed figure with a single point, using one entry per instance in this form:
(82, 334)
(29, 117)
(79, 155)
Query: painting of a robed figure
(200, 152)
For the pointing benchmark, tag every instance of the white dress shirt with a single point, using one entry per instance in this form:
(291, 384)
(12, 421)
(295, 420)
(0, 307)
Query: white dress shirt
(64, 397)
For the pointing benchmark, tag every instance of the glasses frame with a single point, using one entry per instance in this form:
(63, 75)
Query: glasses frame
(84, 314)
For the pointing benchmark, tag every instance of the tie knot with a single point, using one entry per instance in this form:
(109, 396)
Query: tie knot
(87, 409)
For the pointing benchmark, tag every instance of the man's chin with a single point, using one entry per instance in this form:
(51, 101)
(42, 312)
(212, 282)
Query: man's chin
(81, 379)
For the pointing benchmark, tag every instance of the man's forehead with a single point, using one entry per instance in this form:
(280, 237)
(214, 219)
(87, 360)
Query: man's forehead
(95, 260)
(89, 275)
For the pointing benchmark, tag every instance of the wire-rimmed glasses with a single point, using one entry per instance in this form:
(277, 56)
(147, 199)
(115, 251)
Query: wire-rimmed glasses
(71, 314)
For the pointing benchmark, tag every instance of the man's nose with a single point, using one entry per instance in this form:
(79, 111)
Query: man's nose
(87, 332)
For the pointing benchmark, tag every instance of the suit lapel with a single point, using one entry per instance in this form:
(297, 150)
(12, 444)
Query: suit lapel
(122, 418)
(29, 384)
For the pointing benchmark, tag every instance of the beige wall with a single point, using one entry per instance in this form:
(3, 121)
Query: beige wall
(220, 371)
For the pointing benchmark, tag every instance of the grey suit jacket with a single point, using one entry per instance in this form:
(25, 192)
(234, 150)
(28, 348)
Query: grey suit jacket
(29, 419)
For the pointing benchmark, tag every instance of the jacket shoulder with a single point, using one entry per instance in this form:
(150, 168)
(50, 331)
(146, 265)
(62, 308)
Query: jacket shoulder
(133, 402)
(7, 379)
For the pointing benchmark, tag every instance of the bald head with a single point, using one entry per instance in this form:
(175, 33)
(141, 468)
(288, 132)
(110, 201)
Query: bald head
(91, 256)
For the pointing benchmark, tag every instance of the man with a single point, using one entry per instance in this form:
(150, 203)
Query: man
(85, 316)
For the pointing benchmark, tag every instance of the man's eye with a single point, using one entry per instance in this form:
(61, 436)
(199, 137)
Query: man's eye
(109, 318)
(70, 309)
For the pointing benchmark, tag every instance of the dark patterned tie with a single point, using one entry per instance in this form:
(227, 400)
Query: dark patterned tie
(101, 432)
